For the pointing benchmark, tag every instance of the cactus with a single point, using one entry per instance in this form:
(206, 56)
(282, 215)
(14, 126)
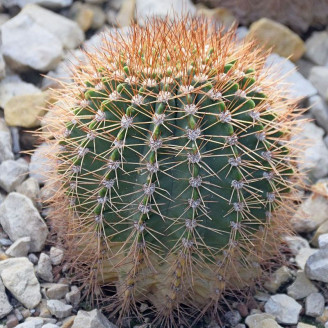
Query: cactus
(174, 168)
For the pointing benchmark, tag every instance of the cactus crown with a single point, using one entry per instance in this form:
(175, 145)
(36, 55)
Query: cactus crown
(174, 167)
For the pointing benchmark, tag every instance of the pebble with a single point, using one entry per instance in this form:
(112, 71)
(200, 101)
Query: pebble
(317, 48)
(314, 305)
(323, 241)
(32, 323)
(42, 50)
(261, 320)
(92, 319)
(314, 159)
(304, 325)
(323, 229)
(12, 85)
(53, 4)
(299, 87)
(316, 267)
(57, 291)
(319, 78)
(301, 287)
(278, 278)
(59, 309)
(40, 165)
(44, 268)
(74, 296)
(6, 152)
(25, 110)
(220, 15)
(12, 321)
(23, 221)
(284, 308)
(19, 248)
(232, 317)
(162, 9)
(5, 306)
(82, 14)
(31, 189)
(19, 278)
(33, 258)
(319, 110)
(12, 173)
(56, 255)
(280, 38)
(296, 243)
(64, 29)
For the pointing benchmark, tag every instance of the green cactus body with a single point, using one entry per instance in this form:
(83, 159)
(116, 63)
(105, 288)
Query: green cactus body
(174, 159)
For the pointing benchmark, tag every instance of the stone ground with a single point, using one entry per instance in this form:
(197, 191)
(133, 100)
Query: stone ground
(45, 36)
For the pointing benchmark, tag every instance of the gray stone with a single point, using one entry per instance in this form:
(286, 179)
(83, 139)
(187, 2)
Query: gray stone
(54, 4)
(40, 164)
(12, 173)
(232, 317)
(57, 291)
(2, 66)
(316, 267)
(303, 256)
(304, 67)
(278, 278)
(31, 323)
(19, 278)
(74, 296)
(6, 152)
(319, 78)
(299, 86)
(296, 243)
(317, 48)
(323, 240)
(284, 308)
(5, 242)
(12, 86)
(314, 305)
(4, 18)
(59, 309)
(319, 111)
(314, 159)
(23, 221)
(44, 268)
(170, 8)
(261, 320)
(92, 319)
(301, 287)
(31, 189)
(5, 306)
(64, 29)
(56, 255)
(50, 325)
(33, 258)
(42, 50)
(20, 247)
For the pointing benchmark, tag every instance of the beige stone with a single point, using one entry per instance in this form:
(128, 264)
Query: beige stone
(222, 16)
(25, 110)
(280, 38)
(126, 14)
(304, 325)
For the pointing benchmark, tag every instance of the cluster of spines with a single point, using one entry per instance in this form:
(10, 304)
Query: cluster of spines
(195, 110)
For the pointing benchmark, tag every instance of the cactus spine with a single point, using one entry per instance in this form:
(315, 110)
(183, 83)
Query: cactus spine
(175, 170)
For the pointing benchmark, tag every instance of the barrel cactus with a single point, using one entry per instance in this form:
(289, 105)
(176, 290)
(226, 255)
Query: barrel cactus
(174, 168)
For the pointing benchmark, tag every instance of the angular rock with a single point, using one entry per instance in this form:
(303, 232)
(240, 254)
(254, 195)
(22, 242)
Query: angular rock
(31, 323)
(19, 278)
(284, 308)
(303, 256)
(5, 306)
(301, 287)
(319, 111)
(56, 255)
(42, 50)
(40, 164)
(278, 278)
(296, 243)
(23, 221)
(261, 320)
(317, 48)
(170, 8)
(59, 309)
(316, 267)
(314, 160)
(12, 173)
(319, 78)
(6, 152)
(271, 34)
(67, 31)
(12, 85)
(53, 4)
(314, 305)
(232, 317)
(299, 87)
(50, 325)
(31, 189)
(44, 268)
(57, 291)
(19, 248)
(323, 229)
(323, 241)
(25, 110)
(74, 296)
(92, 319)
